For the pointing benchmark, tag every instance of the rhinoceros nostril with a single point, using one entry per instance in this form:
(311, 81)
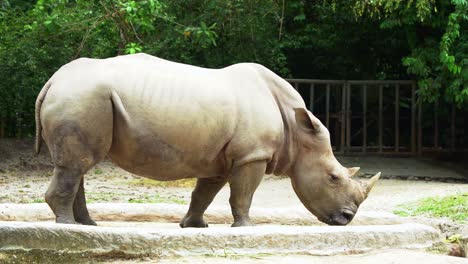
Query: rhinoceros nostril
(348, 215)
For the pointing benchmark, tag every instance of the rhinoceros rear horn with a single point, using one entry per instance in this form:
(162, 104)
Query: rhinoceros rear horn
(370, 184)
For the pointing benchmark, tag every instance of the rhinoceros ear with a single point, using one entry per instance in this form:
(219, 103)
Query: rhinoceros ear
(352, 171)
(306, 121)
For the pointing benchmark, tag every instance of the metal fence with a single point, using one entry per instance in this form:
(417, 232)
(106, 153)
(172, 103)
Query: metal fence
(381, 117)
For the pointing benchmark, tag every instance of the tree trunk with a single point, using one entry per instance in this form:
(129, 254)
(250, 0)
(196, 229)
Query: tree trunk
(2, 127)
(19, 125)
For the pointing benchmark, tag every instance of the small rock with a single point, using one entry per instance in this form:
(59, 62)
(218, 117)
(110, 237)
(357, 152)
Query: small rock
(457, 250)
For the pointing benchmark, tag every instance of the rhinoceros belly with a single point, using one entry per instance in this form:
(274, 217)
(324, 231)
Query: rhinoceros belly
(153, 157)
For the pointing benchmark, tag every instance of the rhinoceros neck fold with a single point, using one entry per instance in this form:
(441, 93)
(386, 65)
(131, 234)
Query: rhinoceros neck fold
(285, 155)
(287, 98)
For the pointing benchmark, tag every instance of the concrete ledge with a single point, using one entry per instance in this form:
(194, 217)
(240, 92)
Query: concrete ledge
(173, 213)
(318, 240)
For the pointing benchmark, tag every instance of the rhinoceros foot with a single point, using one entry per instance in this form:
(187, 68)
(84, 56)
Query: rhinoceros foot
(191, 221)
(243, 222)
(87, 222)
(66, 220)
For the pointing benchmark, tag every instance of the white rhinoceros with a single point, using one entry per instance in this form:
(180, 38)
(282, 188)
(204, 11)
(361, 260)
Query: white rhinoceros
(167, 121)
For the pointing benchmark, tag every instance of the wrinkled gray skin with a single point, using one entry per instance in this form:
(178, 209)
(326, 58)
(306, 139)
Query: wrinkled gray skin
(169, 121)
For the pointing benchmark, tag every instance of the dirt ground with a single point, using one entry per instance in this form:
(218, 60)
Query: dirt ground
(24, 178)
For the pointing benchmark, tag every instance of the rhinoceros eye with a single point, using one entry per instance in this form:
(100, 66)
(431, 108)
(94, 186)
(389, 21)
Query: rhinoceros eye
(334, 177)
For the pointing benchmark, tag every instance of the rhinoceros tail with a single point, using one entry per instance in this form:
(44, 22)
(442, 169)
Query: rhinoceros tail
(39, 100)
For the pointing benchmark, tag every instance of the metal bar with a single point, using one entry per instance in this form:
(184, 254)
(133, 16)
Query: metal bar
(380, 82)
(357, 82)
(385, 153)
(364, 118)
(296, 86)
(348, 116)
(436, 124)
(338, 152)
(397, 117)
(314, 81)
(327, 106)
(419, 128)
(312, 95)
(413, 118)
(380, 118)
(343, 117)
(452, 129)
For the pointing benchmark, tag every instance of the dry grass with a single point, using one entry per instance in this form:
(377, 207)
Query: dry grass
(143, 182)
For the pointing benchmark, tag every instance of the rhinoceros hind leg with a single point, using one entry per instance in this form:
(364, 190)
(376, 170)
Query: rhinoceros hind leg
(61, 193)
(74, 150)
(78, 134)
(243, 183)
(202, 196)
(79, 207)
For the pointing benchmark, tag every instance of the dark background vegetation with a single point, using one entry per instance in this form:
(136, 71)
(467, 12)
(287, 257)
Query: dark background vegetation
(424, 40)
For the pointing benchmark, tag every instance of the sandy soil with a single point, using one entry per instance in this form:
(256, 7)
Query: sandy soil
(104, 183)
(24, 178)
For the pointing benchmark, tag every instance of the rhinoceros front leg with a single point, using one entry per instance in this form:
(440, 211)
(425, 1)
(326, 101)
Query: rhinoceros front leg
(79, 207)
(202, 196)
(243, 182)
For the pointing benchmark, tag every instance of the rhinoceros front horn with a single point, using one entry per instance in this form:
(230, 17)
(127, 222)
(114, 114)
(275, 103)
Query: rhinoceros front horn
(370, 184)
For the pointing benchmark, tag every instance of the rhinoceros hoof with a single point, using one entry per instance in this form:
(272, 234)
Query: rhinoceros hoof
(193, 222)
(242, 223)
(86, 222)
(66, 220)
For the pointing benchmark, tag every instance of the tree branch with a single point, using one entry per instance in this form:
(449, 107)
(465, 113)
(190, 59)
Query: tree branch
(281, 21)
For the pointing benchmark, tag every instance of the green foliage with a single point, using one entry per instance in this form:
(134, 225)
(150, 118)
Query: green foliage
(437, 35)
(454, 207)
(203, 35)
(36, 38)
(38, 200)
(133, 48)
(329, 39)
(457, 238)
(420, 9)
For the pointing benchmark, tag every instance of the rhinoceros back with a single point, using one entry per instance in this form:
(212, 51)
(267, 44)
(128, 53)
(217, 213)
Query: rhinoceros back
(173, 121)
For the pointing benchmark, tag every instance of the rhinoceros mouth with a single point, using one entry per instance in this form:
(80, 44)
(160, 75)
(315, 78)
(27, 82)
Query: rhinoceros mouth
(338, 221)
(342, 218)
(325, 220)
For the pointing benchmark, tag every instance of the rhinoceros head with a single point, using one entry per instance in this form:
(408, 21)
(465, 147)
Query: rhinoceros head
(323, 185)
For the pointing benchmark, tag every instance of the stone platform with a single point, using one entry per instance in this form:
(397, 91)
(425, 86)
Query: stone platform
(151, 240)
